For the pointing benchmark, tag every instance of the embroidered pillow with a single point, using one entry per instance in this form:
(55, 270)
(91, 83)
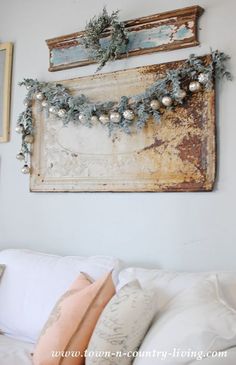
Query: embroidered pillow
(67, 332)
(122, 326)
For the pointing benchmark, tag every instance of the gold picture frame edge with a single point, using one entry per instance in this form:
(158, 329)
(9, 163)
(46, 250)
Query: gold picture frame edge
(7, 90)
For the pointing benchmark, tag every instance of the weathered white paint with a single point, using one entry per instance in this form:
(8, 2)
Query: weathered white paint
(191, 231)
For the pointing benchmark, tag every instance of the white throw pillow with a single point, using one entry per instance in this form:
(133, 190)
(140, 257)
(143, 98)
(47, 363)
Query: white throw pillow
(33, 282)
(171, 283)
(195, 321)
(122, 326)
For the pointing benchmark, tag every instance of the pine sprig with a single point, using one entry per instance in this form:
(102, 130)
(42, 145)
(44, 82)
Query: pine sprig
(106, 49)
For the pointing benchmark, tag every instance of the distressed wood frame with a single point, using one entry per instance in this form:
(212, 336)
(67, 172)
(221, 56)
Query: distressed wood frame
(8, 48)
(179, 154)
(176, 18)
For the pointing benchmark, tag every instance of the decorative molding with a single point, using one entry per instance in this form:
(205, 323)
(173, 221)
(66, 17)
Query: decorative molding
(159, 32)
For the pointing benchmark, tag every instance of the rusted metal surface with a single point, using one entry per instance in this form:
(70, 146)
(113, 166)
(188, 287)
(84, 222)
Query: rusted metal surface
(176, 155)
(159, 32)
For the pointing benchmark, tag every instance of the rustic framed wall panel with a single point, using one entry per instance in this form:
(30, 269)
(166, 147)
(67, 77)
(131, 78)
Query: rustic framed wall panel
(176, 155)
(159, 32)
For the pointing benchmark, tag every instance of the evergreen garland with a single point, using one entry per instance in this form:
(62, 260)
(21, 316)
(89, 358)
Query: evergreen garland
(94, 31)
(129, 114)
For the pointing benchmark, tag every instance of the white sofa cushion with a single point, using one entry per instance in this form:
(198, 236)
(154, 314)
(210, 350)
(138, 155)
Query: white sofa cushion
(15, 352)
(170, 283)
(197, 320)
(32, 283)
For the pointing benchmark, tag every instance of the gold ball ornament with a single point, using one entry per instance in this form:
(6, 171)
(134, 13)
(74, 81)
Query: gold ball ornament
(166, 101)
(155, 104)
(203, 78)
(29, 138)
(104, 118)
(39, 96)
(194, 86)
(129, 114)
(20, 156)
(25, 169)
(19, 128)
(115, 117)
(61, 113)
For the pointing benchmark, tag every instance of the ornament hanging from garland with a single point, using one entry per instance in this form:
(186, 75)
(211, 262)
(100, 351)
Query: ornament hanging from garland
(129, 114)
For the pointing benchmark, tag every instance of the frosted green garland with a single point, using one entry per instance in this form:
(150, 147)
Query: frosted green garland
(129, 114)
(94, 31)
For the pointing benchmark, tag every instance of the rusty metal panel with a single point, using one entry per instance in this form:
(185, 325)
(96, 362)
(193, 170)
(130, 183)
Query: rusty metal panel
(159, 32)
(176, 155)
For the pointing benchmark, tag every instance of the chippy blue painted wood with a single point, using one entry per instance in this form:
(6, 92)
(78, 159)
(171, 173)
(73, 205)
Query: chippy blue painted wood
(138, 40)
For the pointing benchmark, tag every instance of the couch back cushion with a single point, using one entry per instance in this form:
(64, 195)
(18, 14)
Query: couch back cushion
(32, 283)
(168, 284)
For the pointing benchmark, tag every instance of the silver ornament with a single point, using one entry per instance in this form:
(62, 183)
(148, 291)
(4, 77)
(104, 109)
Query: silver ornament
(44, 104)
(203, 78)
(19, 128)
(115, 117)
(53, 110)
(94, 119)
(27, 103)
(155, 104)
(104, 118)
(61, 113)
(28, 87)
(194, 86)
(181, 94)
(25, 169)
(39, 96)
(129, 114)
(166, 100)
(82, 118)
(29, 138)
(20, 156)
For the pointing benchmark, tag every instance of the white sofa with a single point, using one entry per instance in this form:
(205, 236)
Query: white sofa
(32, 282)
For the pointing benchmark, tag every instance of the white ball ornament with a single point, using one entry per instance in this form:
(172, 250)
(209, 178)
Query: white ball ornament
(39, 96)
(115, 117)
(19, 128)
(181, 94)
(27, 103)
(44, 104)
(29, 138)
(167, 101)
(28, 87)
(82, 118)
(61, 113)
(53, 110)
(94, 119)
(155, 104)
(203, 78)
(194, 86)
(104, 118)
(25, 169)
(20, 156)
(129, 114)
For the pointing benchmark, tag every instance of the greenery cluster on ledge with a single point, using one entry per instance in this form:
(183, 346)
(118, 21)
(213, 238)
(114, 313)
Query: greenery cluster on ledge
(130, 114)
(94, 31)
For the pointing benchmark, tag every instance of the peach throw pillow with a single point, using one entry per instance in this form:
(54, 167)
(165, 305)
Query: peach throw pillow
(71, 323)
